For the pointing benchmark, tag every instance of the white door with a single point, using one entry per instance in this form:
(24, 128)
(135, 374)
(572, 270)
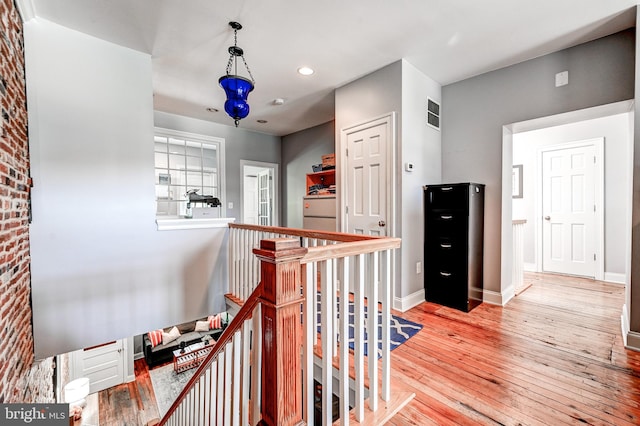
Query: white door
(569, 226)
(366, 191)
(103, 365)
(264, 197)
(250, 198)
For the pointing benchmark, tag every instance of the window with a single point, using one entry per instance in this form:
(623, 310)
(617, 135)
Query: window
(186, 162)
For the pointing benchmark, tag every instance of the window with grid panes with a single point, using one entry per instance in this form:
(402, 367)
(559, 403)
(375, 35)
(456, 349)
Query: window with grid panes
(184, 162)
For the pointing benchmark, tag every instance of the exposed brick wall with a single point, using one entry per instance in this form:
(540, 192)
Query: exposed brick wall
(21, 380)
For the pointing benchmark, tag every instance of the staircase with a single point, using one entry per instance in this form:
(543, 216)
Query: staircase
(262, 369)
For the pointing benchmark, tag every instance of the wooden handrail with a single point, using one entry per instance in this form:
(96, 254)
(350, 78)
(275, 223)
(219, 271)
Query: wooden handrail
(305, 233)
(245, 312)
(317, 254)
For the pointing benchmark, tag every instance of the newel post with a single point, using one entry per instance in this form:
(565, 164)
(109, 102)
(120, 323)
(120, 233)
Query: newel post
(281, 331)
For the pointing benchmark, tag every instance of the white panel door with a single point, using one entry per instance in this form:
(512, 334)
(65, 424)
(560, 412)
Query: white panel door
(366, 189)
(568, 206)
(250, 204)
(264, 191)
(103, 365)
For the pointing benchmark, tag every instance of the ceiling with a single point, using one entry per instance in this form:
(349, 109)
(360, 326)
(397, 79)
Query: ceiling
(448, 40)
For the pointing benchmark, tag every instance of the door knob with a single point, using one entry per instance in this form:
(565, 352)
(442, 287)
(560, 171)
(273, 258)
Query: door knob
(382, 223)
(547, 218)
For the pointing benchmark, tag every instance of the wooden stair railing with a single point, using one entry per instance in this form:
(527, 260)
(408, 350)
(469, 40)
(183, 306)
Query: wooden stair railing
(252, 375)
(337, 266)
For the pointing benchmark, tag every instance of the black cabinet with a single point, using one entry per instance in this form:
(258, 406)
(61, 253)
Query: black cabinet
(453, 244)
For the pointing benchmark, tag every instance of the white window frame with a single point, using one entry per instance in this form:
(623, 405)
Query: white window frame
(210, 140)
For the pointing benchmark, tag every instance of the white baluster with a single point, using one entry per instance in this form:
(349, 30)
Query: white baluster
(246, 352)
(327, 296)
(256, 362)
(344, 342)
(228, 382)
(385, 298)
(373, 330)
(221, 394)
(308, 338)
(236, 378)
(358, 323)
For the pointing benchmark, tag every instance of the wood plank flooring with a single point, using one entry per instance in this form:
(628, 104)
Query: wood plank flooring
(552, 356)
(129, 404)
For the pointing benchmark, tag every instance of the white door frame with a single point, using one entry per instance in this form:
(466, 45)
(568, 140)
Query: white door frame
(276, 187)
(507, 290)
(341, 179)
(598, 144)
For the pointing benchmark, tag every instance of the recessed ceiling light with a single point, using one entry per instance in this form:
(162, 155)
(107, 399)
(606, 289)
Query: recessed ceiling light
(212, 109)
(278, 101)
(305, 71)
(262, 121)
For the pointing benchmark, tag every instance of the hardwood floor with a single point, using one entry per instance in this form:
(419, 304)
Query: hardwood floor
(129, 404)
(554, 355)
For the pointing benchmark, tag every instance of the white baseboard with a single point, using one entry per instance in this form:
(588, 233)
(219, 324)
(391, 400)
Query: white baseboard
(530, 267)
(625, 325)
(500, 299)
(633, 341)
(138, 355)
(403, 304)
(614, 277)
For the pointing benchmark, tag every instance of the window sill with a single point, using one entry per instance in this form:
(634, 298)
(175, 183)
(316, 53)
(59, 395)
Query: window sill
(172, 224)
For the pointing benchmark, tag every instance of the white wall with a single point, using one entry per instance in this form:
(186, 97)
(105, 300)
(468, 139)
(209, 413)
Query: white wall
(100, 269)
(617, 142)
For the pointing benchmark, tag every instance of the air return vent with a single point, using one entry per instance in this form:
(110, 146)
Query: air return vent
(433, 114)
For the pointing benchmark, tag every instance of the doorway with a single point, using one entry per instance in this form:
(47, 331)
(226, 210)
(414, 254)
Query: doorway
(259, 188)
(608, 129)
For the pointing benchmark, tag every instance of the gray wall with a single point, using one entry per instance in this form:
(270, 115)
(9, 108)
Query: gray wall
(475, 110)
(239, 145)
(399, 88)
(300, 151)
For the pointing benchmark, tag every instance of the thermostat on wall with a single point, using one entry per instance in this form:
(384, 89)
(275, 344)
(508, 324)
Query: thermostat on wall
(408, 167)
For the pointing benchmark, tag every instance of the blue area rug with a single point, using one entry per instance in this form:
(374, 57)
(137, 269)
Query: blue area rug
(401, 329)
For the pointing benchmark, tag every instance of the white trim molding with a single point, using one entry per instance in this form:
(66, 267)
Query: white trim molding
(403, 304)
(615, 278)
(26, 9)
(182, 223)
(624, 323)
(633, 341)
(500, 299)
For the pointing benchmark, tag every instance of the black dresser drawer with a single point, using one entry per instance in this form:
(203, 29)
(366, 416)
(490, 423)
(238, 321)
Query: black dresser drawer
(450, 197)
(453, 224)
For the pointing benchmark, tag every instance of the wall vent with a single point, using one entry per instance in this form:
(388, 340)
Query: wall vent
(433, 114)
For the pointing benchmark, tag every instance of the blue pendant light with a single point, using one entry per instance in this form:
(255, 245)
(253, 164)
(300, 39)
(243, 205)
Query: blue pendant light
(236, 87)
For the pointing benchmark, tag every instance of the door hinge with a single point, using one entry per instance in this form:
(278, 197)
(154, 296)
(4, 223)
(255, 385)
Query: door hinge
(346, 209)
(594, 208)
(594, 257)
